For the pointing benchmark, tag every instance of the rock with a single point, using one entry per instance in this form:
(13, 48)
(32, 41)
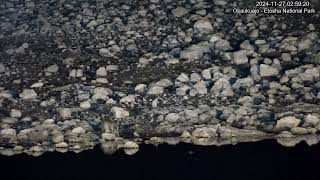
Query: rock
(108, 136)
(182, 91)
(200, 87)
(299, 131)
(304, 45)
(85, 105)
(37, 85)
(203, 27)
(205, 132)
(268, 71)
(183, 77)
(254, 34)
(240, 57)
(243, 83)
(140, 88)
(156, 90)
(163, 83)
(8, 133)
(214, 38)
(222, 86)
(287, 123)
(315, 59)
(172, 117)
(58, 138)
(155, 103)
(185, 135)
(285, 134)
(15, 113)
(2, 68)
(110, 127)
(130, 145)
(101, 93)
(61, 145)
(206, 74)
(52, 69)
(130, 99)
(179, 12)
(92, 24)
(222, 45)
(311, 120)
(195, 77)
(192, 53)
(105, 52)
(65, 113)
(220, 2)
(119, 113)
(36, 149)
(76, 73)
(101, 71)
(28, 94)
(78, 130)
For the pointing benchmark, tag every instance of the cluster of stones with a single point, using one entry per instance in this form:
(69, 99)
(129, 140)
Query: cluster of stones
(87, 66)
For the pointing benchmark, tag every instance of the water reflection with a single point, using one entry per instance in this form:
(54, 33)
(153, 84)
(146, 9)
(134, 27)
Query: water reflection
(111, 147)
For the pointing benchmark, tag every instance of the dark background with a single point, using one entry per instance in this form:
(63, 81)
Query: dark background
(245, 161)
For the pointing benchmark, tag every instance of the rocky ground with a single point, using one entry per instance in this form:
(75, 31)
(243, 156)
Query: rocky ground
(78, 73)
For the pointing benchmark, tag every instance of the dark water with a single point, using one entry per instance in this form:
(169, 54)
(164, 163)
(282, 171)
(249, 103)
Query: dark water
(257, 161)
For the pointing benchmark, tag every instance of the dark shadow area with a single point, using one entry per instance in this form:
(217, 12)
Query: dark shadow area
(257, 161)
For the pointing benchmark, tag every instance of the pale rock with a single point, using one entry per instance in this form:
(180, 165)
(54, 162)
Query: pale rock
(119, 113)
(183, 77)
(156, 90)
(312, 120)
(299, 131)
(108, 136)
(15, 113)
(2, 68)
(195, 77)
(164, 83)
(101, 71)
(222, 45)
(179, 12)
(287, 123)
(58, 138)
(206, 74)
(240, 57)
(268, 71)
(182, 91)
(85, 105)
(243, 83)
(205, 132)
(185, 134)
(192, 53)
(222, 86)
(130, 145)
(140, 88)
(28, 94)
(37, 85)
(203, 27)
(172, 117)
(61, 145)
(130, 99)
(78, 130)
(200, 87)
(52, 69)
(101, 93)
(65, 113)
